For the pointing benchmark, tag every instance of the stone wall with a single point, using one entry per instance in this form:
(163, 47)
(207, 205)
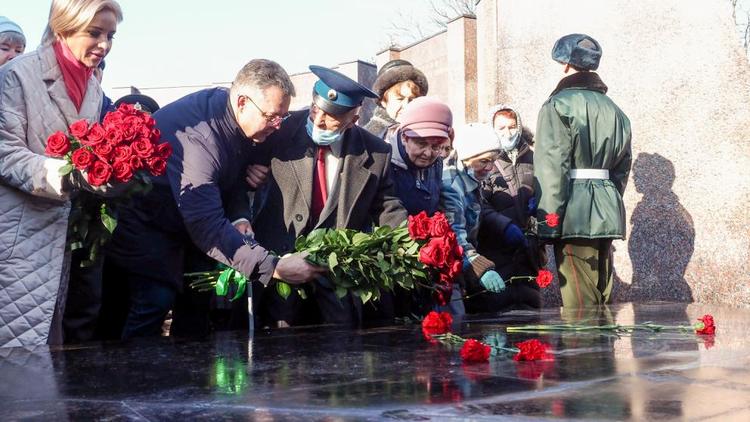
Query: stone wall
(676, 68)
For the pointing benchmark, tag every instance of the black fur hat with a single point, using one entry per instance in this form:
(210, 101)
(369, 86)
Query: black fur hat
(396, 71)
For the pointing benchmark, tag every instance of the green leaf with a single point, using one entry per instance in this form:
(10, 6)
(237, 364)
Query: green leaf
(241, 283)
(283, 289)
(365, 296)
(360, 238)
(66, 169)
(301, 292)
(332, 260)
(109, 221)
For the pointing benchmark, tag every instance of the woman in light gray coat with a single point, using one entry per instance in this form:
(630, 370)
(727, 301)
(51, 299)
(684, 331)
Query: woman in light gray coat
(40, 93)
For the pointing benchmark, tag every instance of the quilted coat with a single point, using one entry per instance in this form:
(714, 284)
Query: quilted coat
(33, 218)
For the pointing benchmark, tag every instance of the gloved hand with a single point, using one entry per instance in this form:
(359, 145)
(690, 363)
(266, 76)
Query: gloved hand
(513, 236)
(492, 281)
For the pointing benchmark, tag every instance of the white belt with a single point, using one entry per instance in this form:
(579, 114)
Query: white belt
(589, 174)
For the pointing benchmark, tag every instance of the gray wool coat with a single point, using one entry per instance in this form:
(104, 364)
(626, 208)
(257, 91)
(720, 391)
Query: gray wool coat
(362, 197)
(33, 218)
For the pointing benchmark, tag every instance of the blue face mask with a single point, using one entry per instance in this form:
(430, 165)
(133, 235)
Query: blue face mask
(322, 137)
(510, 143)
(470, 171)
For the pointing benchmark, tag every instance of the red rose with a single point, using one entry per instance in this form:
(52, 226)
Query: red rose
(103, 151)
(114, 135)
(434, 253)
(58, 145)
(95, 136)
(131, 127)
(436, 323)
(82, 158)
(79, 129)
(439, 225)
(136, 163)
(113, 119)
(100, 173)
(121, 171)
(706, 325)
(552, 219)
(155, 135)
(122, 153)
(164, 150)
(419, 226)
(142, 147)
(148, 120)
(475, 351)
(126, 109)
(532, 350)
(156, 166)
(441, 296)
(544, 278)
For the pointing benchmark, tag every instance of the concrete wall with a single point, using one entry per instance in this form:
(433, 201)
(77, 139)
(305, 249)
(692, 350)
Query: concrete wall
(676, 69)
(448, 60)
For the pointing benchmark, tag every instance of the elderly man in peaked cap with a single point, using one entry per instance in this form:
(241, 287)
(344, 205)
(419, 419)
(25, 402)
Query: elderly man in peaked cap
(324, 172)
(581, 166)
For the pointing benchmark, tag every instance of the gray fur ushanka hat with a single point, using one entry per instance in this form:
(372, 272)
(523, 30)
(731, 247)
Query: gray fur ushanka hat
(396, 71)
(579, 50)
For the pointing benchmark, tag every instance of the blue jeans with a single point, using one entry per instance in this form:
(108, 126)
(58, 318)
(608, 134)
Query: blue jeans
(150, 301)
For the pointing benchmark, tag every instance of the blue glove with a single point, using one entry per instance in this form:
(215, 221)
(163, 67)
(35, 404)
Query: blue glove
(492, 281)
(531, 208)
(513, 236)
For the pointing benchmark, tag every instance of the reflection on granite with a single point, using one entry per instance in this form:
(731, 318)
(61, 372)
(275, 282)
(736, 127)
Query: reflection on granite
(329, 373)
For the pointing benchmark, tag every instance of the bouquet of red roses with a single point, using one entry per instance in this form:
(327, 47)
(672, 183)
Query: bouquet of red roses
(109, 161)
(423, 253)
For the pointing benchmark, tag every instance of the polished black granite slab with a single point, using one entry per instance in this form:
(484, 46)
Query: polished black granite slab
(393, 373)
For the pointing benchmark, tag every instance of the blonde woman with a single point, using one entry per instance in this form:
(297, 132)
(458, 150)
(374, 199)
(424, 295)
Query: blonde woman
(40, 93)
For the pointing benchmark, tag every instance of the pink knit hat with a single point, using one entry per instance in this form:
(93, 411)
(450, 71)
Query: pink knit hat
(426, 117)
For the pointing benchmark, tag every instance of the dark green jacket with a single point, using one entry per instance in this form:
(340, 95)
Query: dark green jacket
(579, 127)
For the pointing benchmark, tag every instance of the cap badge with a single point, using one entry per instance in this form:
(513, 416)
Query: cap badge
(332, 95)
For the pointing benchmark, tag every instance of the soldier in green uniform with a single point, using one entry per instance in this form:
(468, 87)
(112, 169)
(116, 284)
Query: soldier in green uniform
(581, 165)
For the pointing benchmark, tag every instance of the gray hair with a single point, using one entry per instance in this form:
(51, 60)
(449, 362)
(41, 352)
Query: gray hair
(12, 37)
(261, 74)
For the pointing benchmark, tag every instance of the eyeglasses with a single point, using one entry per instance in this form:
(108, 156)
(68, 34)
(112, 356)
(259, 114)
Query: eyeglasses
(272, 119)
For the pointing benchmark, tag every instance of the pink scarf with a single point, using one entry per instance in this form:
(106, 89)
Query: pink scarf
(75, 74)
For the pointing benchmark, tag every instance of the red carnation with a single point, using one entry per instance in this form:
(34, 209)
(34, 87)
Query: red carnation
(532, 350)
(436, 323)
(706, 325)
(100, 173)
(164, 150)
(419, 226)
(121, 171)
(156, 166)
(82, 158)
(552, 219)
(439, 225)
(95, 135)
(475, 351)
(58, 145)
(142, 147)
(544, 278)
(79, 129)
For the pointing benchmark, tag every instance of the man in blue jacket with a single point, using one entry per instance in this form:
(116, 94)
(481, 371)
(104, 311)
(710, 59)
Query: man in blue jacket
(213, 134)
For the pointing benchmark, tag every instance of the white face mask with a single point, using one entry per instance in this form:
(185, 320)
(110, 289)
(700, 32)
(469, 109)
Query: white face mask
(509, 142)
(322, 137)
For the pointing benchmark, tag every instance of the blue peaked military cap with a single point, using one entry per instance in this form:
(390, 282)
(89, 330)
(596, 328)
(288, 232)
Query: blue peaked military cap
(336, 93)
(579, 50)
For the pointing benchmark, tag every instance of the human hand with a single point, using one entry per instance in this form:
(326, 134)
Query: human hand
(243, 226)
(256, 175)
(294, 269)
(492, 281)
(513, 236)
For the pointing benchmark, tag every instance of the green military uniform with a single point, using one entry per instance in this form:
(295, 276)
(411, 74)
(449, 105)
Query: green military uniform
(581, 164)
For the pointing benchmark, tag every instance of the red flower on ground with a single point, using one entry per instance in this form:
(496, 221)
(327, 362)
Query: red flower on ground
(100, 173)
(706, 325)
(436, 323)
(79, 129)
(544, 278)
(475, 351)
(419, 226)
(82, 158)
(58, 145)
(552, 219)
(532, 350)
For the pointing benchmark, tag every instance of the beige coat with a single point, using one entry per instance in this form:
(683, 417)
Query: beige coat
(33, 217)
